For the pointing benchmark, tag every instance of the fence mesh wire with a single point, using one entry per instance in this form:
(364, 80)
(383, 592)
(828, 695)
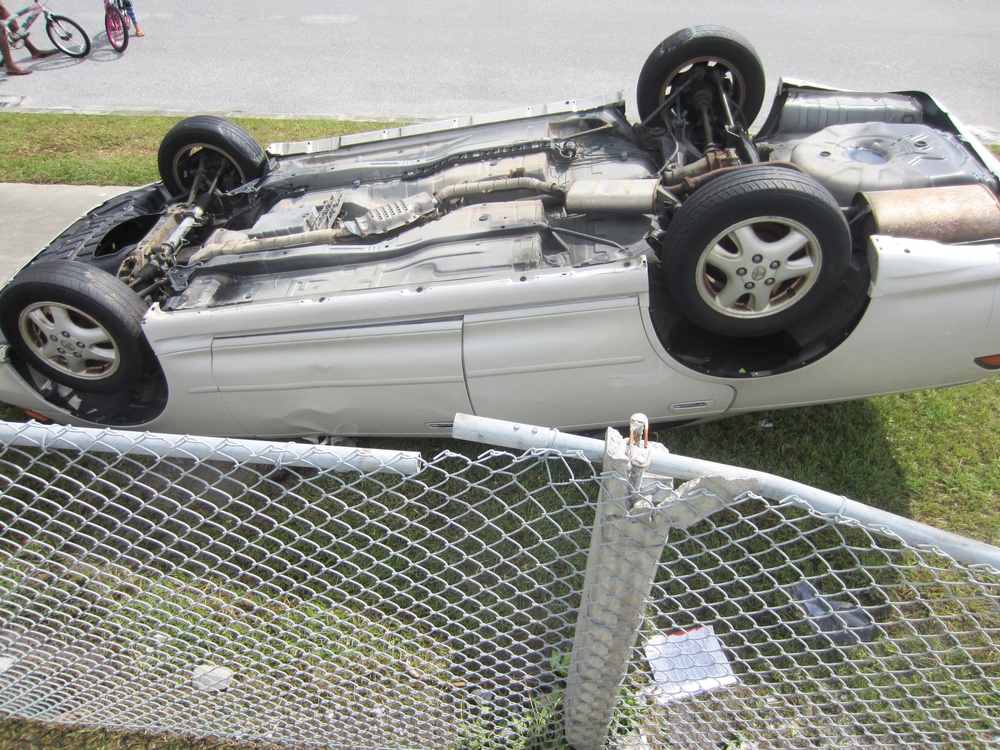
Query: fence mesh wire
(314, 607)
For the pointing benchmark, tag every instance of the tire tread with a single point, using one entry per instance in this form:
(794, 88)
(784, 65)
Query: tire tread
(223, 132)
(677, 45)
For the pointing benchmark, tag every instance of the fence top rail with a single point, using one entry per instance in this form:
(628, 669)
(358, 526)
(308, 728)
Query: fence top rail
(260, 452)
(916, 534)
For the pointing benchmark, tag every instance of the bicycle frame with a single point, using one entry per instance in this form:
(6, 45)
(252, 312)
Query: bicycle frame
(65, 34)
(32, 12)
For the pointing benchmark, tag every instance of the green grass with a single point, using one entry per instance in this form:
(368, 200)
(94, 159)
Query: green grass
(933, 456)
(120, 149)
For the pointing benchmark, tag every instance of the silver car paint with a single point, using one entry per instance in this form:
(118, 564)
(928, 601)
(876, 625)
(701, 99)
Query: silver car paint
(399, 347)
(406, 377)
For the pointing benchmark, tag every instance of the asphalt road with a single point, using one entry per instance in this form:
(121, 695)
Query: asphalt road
(421, 59)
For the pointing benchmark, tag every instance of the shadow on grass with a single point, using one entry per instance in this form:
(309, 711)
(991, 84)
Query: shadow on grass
(18, 734)
(841, 448)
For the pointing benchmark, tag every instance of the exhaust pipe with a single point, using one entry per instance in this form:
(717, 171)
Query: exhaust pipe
(964, 213)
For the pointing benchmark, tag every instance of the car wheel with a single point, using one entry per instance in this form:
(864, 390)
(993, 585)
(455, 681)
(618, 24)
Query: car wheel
(755, 250)
(206, 149)
(76, 324)
(690, 60)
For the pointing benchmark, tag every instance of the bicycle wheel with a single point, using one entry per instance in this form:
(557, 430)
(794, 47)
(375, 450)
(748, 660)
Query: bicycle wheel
(67, 35)
(114, 24)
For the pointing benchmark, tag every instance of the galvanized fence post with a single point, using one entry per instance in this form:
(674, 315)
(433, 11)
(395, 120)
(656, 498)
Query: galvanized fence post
(627, 542)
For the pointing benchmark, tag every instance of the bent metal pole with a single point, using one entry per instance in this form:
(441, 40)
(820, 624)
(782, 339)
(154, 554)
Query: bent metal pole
(916, 534)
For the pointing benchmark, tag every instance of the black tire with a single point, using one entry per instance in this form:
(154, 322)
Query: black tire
(755, 250)
(693, 51)
(114, 25)
(218, 145)
(68, 36)
(76, 324)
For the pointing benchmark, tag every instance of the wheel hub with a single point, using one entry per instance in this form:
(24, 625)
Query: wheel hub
(759, 267)
(68, 346)
(206, 163)
(759, 271)
(702, 72)
(69, 341)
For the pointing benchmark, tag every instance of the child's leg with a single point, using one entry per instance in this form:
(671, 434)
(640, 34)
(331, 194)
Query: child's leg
(13, 69)
(130, 10)
(131, 14)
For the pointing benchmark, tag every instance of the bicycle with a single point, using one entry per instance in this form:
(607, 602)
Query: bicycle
(117, 24)
(64, 33)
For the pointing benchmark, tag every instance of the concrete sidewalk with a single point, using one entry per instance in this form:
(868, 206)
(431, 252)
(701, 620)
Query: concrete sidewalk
(31, 215)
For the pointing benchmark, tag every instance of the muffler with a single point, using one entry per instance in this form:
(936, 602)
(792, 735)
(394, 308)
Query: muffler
(637, 196)
(964, 213)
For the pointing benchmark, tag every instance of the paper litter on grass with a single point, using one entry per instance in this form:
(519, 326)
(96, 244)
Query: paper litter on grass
(687, 662)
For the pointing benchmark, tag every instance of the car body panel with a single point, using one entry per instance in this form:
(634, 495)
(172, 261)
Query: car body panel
(407, 378)
(323, 379)
(933, 310)
(604, 360)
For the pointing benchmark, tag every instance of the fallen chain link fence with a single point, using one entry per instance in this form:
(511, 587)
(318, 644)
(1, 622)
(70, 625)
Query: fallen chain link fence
(315, 596)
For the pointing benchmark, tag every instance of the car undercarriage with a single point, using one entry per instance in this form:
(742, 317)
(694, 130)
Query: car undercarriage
(755, 251)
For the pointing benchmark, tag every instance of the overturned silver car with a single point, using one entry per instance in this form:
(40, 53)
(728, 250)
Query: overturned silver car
(557, 265)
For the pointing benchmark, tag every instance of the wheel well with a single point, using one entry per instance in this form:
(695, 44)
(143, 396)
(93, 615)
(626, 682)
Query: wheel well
(813, 337)
(123, 236)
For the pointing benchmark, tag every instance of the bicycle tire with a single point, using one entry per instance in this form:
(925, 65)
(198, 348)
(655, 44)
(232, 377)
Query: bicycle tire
(116, 27)
(67, 36)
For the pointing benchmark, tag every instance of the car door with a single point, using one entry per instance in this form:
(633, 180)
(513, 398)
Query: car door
(579, 365)
(393, 379)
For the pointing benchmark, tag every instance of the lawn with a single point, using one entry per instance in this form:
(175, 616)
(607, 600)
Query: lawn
(72, 149)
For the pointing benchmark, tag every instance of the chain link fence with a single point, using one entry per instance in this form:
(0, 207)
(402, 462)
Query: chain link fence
(315, 596)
